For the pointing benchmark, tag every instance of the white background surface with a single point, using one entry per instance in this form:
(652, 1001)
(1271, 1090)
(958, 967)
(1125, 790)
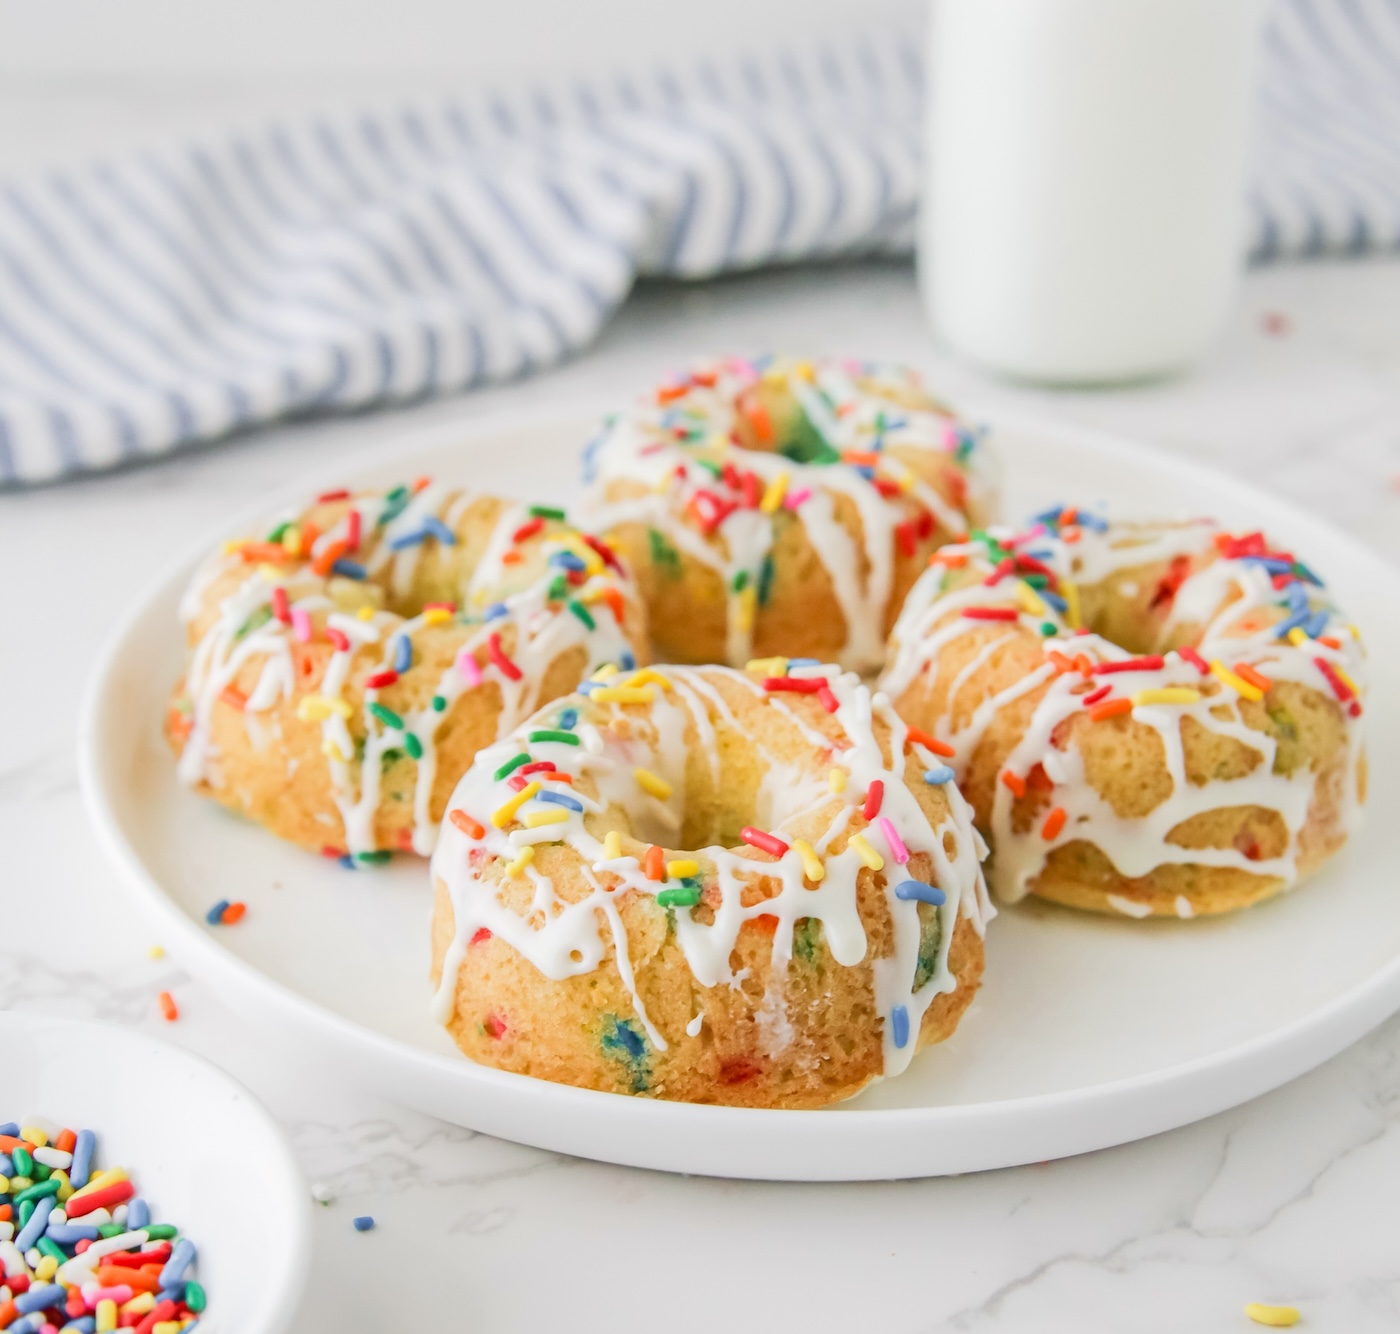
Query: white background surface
(1291, 1197)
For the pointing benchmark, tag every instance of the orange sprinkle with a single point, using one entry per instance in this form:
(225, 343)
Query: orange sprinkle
(466, 824)
(669, 393)
(421, 484)
(765, 922)
(65, 1141)
(233, 913)
(1083, 665)
(1062, 663)
(512, 558)
(1054, 822)
(178, 725)
(862, 458)
(654, 863)
(6, 1212)
(309, 534)
(558, 778)
(168, 1007)
(922, 738)
(1329, 641)
(234, 698)
(614, 600)
(260, 552)
(1255, 678)
(322, 564)
(1069, 535)
(954, 560)
(1015, 782)
(1110, 708)
(762, 423)
(1070, 516)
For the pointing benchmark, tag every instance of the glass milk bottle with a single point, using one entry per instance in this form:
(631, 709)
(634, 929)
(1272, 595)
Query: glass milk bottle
(1083, 216)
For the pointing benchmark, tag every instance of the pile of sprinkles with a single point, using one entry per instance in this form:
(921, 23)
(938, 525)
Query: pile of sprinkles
(298, 588)
(1265, 617)
(548, 783)
(79, 1252)
(724, 505)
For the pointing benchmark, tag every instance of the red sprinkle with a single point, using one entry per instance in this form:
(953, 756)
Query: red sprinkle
(906, 538)
(497, 655)
(517, 783)
(874, 797)
(1190, 655)
(828, 701)
(381, 679)
(1095, 696)
(78, 1205)
(800, 685)
(527, 530)
(328, 497)
(768, 843)
(171, 1012)
(1054, 822)
(234, 698)
(537, 767)
(466, 824)
(338, 638)
(1339, 687)
(1152, 663)
(991, 613)
(352, 531)
(281, 608)
(605, 552)
(921, 738)
(481, 935)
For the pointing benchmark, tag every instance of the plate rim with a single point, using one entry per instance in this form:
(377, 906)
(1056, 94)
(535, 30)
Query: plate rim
(1291, 1049)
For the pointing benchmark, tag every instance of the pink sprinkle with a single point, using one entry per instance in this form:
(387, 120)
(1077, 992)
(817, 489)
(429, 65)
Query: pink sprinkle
(123, 1292)
(897, 849)
(466, 664)
(301, 624)
(794, 499)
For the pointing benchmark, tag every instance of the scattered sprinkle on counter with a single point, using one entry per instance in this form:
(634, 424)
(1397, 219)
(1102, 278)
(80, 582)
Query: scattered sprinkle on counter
(224, 913)
(169, 1010)
(79, 1252)
(1276, 1317)
(156, 952)
(364, 1223)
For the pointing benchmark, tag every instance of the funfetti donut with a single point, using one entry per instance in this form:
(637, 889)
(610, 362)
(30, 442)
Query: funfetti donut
(784, 506)
(1148, 718)
(753, 888)
(347, 663)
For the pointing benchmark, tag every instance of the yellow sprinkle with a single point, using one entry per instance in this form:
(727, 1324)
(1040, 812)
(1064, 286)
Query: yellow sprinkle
(106, 1316)
(1346, 678)
(46, 1269)
(773, 494)
(593, 563)
(836, 780)
(436, 616)
(812, 866)
(774, 376)
(167, 1327)
(35, 1136)
(139, 1305)
(612, 845)
(270, 572)
(156, 952)
(108, 1178)
(748, 607)
(1167, 695)
(682, 867)
(1031, 600)
(554, 815)
(652, 783)
(606, 670)
(804, 370)
(1355, 633)
(366, 613)
(1236, 683)
(332, 751)
(766, 666)
(234, 544)
(623, 695)
(505, 813)
(1296, 637)
(291, 539)
(1070, 590)
(317, 708)
(1280, 1317)
(906, 481)
(647, 677)
(522, 859)
(65, 1185)
(866, 853)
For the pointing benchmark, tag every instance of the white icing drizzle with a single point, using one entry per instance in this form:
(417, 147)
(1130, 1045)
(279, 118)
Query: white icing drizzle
(1231, 607)
(687, 712)
(544, 628)
(653, 444)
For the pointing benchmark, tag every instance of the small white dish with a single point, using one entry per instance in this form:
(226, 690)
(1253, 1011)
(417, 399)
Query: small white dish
(201, 1149)
(1088, 1031)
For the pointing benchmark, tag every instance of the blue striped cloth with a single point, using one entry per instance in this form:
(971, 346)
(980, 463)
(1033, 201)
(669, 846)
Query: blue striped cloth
(328, 264)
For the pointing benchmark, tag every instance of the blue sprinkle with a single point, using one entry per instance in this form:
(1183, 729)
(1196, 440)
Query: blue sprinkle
(942, 774)
(7, 1168)
(364, 1223)
(568, 720)
(1054, 600)
(560, 799)
(403, 654)
(138, 1214)
(82, 1158)
(175, 1294)
(408, 540)
(34, 1229)
(86, 1324)
(588, 687)
(866, 471)
(1304, 573)
(920, 892)
(181, 1258)
(1092, 522)
(432, 524)
(568, 561)
(1271, 563)
(628, 660)
(1297, 619)
(1052, 515)
(11, 1129)
(1317, 624)
(68, 1234)
(899, 1026)
(347, 861)
(803, 662)
(495, 611)
(215, 915)
(1297, 597)
(350, 569)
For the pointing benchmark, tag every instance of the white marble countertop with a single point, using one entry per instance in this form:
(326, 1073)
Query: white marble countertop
(1290, 1198)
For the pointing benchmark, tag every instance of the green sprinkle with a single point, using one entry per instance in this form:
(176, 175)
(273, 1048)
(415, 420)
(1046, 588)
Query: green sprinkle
(546, 512)
(278, 533)
(24, 1163)
(1035, 580)
(568, 738)
(53, 1249)
(1048, 629)
(374, 858)
(766, 572)
(25, 1213)
(557, 588)
(111, 1230)
(259, 618)
(663, 553)
(194, 1296)
(161, 1231)
(582, 613)
(41, 1172)
(397, 494)
(386, 716)
(38, 1190)
(413, 746)
(711, 467)
(439, 703)
(685, 896)
(740, 581)
(510, 766)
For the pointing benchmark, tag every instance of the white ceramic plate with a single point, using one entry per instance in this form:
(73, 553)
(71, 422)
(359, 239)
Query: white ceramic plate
(1088, 1031)
(201, 1149)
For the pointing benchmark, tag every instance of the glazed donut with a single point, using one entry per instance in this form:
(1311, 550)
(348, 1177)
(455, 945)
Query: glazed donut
(708, 886)
(344, 668)
(1149, 718)
(783, 506)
